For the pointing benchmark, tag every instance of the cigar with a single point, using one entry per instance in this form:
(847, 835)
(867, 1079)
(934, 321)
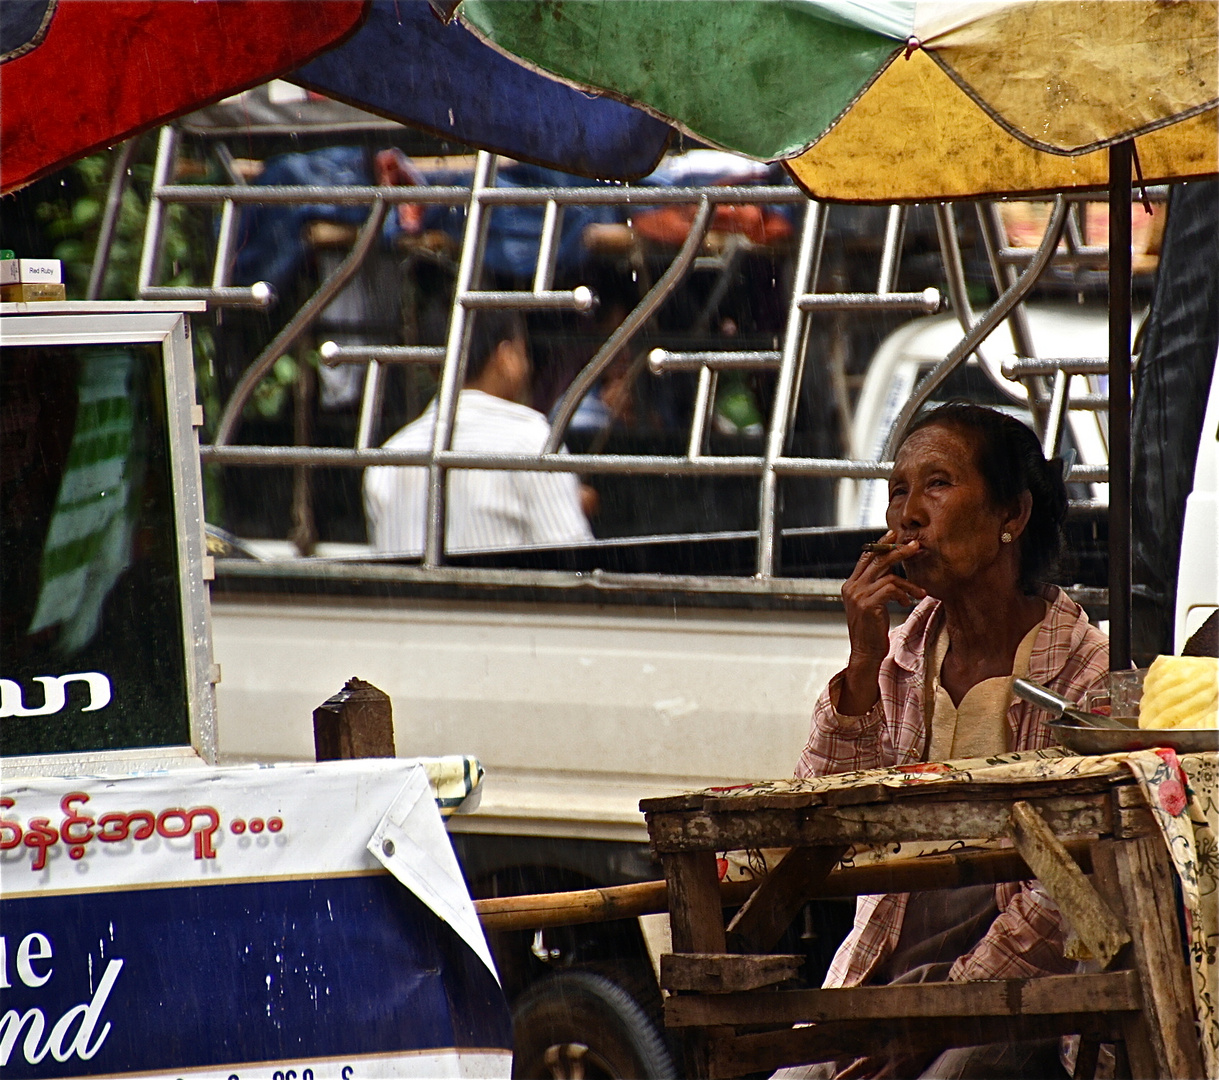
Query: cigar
(880, 549)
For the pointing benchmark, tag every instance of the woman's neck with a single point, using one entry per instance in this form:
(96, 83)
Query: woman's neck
(984, 631)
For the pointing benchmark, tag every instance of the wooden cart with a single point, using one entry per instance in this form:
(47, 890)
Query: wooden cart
(726, 990)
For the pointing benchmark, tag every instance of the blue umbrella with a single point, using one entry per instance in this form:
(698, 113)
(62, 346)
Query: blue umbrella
(406, 64)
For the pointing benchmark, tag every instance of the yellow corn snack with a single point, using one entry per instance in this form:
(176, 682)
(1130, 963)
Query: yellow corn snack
(1181, 692)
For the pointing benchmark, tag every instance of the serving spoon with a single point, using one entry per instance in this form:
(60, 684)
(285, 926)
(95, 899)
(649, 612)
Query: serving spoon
(1039, 695)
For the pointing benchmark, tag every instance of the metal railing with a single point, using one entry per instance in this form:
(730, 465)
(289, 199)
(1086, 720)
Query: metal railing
(805, 302)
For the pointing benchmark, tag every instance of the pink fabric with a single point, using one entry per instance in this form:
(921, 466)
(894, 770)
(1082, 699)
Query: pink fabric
(1069, 656)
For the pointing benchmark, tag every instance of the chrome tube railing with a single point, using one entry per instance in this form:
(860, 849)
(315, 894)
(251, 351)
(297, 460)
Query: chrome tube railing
(788, 361)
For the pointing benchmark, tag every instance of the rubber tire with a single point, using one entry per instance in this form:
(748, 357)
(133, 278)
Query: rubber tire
(584, 1008)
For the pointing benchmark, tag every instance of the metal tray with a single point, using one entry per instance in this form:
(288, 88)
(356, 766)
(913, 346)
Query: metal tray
(1090, 740)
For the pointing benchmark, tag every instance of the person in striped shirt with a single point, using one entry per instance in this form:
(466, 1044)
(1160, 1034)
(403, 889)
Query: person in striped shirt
(976, 514)
(486, 509)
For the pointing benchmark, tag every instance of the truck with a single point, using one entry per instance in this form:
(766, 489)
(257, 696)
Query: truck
(682, 648)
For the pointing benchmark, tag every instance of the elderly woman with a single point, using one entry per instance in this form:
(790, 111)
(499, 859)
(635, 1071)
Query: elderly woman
(976, 514)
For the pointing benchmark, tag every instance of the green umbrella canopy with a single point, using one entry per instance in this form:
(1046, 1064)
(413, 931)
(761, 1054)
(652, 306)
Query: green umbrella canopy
(1003, 93)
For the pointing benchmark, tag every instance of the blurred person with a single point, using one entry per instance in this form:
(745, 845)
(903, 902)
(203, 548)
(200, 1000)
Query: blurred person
(976, 514)
(486, 509)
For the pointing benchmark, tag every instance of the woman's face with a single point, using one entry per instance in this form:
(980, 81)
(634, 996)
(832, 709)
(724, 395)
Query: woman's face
(938, 497)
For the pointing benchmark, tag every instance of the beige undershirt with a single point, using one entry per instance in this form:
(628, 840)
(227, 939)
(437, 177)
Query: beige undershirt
(976, 728)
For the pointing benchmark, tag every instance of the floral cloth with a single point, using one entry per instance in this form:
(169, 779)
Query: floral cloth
(1184, 796)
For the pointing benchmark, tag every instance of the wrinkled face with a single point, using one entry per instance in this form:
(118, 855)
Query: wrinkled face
(938, 497)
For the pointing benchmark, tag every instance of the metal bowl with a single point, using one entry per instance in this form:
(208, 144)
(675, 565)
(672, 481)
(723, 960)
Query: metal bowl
(1092, 740)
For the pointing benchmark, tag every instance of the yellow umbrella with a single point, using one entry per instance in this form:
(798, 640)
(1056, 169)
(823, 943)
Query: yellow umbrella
(914, 134)
(910, 100)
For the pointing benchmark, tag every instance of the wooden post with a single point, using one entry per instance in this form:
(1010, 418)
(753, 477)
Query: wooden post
(1135, 877)
(1146, 877)
(357, 722)
(767, 914)
(696, 919)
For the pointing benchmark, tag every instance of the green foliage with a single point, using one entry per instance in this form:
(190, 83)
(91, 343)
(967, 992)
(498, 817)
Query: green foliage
(272, 395)
(74, 222)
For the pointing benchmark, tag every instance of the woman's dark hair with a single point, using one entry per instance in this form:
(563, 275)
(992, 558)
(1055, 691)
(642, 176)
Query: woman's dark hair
(1010, 460)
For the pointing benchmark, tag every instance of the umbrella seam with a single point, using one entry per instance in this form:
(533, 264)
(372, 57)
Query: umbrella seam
(1079, 151)
(643, 107)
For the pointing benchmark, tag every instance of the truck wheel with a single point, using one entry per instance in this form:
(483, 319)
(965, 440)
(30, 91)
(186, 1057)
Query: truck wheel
(577, 1025)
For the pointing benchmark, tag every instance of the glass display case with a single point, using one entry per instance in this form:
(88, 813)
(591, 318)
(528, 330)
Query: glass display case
(105, 642)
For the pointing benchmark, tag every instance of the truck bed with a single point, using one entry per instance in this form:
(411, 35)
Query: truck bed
(583, 678)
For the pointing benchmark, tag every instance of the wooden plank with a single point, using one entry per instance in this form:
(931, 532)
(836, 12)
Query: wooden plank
(725, 973)
(696, 921)
(357, 722)
(1070, 816)
(796, 800)
(767, 914)
(1087, 1057)
(1146, 877)
(1044, 788)
(860, 793)
(690, 800)
(1101, 932)
(1116, 991)
(1135, 821)
(763, 1052)
(716, 800)
(695, 910)
(1134, 1049)
(1129, 795)
(1132, 816)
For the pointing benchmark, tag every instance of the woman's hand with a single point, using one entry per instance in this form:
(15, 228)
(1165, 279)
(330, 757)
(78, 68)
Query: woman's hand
(866, 595)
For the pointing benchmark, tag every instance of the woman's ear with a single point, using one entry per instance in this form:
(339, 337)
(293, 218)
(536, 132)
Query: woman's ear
(1019, 519)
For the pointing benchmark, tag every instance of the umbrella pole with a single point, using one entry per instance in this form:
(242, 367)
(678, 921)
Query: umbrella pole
(1120, 158)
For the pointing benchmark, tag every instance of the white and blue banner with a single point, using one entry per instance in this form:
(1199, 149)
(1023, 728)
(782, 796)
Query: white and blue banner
(279, 923)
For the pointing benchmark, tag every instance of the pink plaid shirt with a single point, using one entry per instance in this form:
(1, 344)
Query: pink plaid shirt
(1069, 656)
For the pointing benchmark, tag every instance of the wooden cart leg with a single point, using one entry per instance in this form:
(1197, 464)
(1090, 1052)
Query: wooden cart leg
(696, 919)
(1166, 1031)
(1086, 1058)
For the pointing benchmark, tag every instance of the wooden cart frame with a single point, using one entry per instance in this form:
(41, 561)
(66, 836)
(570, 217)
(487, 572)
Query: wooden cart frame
(725, 987)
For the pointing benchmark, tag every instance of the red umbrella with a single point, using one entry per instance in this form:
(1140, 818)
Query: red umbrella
(104, 71)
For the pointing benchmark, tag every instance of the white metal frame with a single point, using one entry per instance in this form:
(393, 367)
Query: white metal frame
(166, 325)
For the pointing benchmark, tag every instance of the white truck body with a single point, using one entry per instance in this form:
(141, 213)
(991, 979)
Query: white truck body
(575, 711)
(1198, 575)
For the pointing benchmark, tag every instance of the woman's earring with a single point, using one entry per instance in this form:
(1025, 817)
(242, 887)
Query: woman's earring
(1006, 537)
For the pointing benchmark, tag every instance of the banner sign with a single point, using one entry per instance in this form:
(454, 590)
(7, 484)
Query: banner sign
(240, 923)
